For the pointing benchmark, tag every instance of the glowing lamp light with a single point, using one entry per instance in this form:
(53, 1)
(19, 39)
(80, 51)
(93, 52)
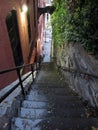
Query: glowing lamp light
(24, 8)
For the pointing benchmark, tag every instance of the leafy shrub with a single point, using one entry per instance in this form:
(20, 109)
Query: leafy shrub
(76, 21)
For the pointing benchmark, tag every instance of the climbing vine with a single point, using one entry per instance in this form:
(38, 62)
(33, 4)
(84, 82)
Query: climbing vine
(76, 21)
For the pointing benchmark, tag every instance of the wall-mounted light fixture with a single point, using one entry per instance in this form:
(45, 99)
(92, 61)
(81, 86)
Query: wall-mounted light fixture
(24, 8)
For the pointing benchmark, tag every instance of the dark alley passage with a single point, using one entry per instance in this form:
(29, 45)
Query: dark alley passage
(49, 65)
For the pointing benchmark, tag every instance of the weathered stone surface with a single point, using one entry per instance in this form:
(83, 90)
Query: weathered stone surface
(75, 57)
(53, 108)
(9, 107)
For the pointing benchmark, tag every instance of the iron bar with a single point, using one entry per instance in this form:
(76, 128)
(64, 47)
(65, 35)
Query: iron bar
(32, 70)
(20, 81)
(76, 71)
(14, 68)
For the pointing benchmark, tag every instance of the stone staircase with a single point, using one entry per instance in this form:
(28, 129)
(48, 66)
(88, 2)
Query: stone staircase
(52, 105)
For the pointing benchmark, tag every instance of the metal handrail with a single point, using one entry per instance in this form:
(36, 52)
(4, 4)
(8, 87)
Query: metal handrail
(19, 77)
(14, 68)
(76, 71)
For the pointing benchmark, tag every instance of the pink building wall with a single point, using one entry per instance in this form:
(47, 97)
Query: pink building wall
(6, 54)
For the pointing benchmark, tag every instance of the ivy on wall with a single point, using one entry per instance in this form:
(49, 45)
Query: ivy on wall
(76, 21)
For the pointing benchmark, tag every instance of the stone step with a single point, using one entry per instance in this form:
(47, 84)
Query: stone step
(55, 124)
(69, 112)
(48, 85)
(64, 98)
(41, 113)
(51, 76)
(34, 104)
(24, 124)
(49, 82)
(69, 124)
(49, 65)
(34, 113)
(43, 85)
(41, 98)
(68, 104)
(45, 98)
(50, 91)
(58, 104)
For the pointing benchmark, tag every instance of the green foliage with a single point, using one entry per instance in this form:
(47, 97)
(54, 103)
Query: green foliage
(58, 22)
(76, 21)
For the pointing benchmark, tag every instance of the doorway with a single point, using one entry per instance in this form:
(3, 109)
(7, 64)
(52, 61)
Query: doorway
(12, 27)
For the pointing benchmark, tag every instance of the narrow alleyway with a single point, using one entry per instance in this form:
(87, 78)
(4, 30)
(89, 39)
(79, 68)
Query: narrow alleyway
(52, 105)
(47, 40)
(49, 67)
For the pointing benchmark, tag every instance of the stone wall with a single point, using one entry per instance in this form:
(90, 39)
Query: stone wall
(75, 57)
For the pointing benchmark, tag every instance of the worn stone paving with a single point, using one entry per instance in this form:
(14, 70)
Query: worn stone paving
(52, 105)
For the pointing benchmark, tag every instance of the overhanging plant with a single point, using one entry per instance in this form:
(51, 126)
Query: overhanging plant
(76, 21)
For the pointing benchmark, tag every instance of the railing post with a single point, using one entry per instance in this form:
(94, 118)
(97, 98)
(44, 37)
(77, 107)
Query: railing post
(20, 81)
(36, 67)
(32, 70)
(40, 60)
